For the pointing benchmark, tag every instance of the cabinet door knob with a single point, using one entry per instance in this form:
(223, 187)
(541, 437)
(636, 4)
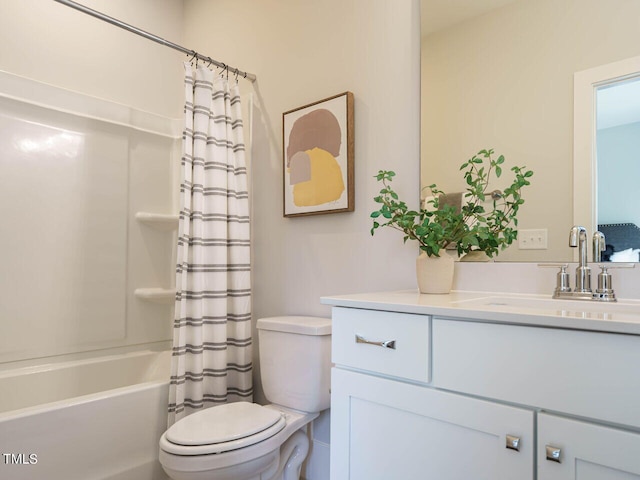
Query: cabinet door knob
(513, 443)
(385, 344)
(553, 453)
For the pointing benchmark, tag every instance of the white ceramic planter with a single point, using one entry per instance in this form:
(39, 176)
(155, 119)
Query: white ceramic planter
(435, 274)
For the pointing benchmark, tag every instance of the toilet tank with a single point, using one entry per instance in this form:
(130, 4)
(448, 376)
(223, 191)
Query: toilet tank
(295, 361)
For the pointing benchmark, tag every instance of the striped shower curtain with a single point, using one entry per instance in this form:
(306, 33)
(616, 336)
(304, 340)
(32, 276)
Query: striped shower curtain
(211, 362)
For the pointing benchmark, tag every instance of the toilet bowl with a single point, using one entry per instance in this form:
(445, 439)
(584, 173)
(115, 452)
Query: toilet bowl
(247, 441)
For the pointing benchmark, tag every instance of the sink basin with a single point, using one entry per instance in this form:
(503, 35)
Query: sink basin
(582, 308)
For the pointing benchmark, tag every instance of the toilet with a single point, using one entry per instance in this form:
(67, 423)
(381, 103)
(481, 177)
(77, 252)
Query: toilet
(247, 441)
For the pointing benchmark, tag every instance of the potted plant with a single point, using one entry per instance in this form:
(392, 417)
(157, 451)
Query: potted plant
(485, 222)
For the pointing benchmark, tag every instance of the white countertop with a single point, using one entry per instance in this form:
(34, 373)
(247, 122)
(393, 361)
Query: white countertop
(519, 309)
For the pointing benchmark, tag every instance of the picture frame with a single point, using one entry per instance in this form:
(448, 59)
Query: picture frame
(318, 157)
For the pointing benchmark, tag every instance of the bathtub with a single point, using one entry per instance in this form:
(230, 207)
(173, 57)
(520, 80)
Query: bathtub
(99, 418)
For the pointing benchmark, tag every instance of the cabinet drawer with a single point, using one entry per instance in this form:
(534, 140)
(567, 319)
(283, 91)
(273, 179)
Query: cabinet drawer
(408, 359)
(588, 374)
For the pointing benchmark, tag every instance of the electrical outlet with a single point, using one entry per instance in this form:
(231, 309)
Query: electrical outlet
(534, 239)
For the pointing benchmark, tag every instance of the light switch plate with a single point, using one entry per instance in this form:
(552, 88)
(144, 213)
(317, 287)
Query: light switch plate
(533, 239)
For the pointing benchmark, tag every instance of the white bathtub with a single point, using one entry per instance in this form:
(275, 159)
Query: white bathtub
(89, 419)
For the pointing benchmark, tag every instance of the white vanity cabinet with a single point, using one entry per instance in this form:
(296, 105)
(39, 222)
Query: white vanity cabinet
(385, 429)
(386, 424)
(422, 396)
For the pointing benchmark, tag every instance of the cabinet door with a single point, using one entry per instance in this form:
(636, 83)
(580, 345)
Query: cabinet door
(384, 429)
(586, 451)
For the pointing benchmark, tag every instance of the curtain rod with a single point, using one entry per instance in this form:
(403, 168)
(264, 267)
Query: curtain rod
(155, 38)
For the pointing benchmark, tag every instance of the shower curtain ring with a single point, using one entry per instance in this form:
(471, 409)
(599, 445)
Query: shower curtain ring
(193, 55)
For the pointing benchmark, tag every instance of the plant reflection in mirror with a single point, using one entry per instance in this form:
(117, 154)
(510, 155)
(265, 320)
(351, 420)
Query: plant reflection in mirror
(486, 221)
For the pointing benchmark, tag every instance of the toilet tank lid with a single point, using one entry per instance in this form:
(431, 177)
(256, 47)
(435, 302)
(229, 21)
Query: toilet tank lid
(296, 324)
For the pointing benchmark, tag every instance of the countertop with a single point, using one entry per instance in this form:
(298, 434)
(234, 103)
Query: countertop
(516, 309)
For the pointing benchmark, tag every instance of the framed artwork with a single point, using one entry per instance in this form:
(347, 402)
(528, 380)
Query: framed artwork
(317, 164)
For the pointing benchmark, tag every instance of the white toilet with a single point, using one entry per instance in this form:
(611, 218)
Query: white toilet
(247, 441)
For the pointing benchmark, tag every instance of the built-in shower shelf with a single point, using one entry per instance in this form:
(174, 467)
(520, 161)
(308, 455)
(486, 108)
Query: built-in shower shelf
(159, 221)
(156, 295)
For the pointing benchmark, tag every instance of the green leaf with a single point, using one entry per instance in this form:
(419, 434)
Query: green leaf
(473, 228)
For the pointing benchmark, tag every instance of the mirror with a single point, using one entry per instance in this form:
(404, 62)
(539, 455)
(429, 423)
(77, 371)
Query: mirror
(606, 139)
(500, 74)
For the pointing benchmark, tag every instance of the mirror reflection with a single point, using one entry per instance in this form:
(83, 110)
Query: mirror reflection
(499, 74)
(618, 168)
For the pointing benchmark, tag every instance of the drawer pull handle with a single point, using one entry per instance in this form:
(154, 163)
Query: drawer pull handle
(388, 344)
(553, 453)
(513, 443)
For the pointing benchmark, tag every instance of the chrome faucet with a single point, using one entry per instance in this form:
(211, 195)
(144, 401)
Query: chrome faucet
(578, 238)
(604, 292)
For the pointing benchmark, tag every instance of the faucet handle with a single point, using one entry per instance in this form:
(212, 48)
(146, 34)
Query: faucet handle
(605, 292)
(605, 285)
(562, 277)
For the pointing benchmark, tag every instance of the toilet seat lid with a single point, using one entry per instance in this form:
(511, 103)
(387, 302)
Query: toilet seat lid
(222, 423)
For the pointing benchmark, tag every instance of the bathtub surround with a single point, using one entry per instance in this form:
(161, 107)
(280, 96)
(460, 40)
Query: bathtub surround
(74, 172)
(211, 361)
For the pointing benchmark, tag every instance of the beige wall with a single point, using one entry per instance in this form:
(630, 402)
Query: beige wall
(303, 51)
(505, 81)
(52, 43)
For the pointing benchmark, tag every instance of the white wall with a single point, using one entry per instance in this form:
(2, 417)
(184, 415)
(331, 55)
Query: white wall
(303, 51)
(505, 81)
(52, 43)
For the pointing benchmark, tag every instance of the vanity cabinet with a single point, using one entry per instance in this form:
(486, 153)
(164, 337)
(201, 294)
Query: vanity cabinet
(388, 429)
(418, 396)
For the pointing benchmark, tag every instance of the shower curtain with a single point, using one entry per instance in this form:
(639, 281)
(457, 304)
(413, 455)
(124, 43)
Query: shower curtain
(211, 362)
